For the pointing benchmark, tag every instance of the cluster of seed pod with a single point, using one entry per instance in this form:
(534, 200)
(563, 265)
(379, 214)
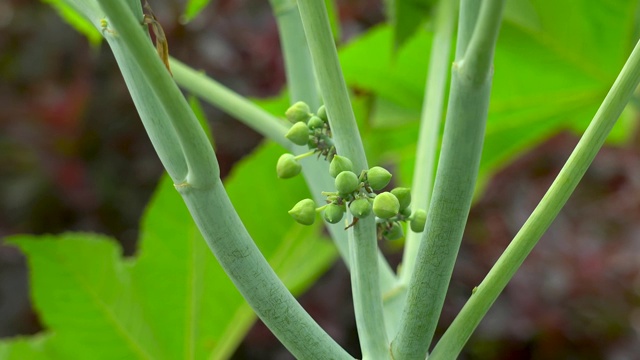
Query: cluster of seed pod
(354, 193)
(357, 194)
(310, 130)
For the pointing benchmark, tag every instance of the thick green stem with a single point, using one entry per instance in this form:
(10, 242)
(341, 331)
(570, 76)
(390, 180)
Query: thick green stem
(367, 295)
(176, 129)
(297, 59)
(257, 282)
(486, 293)
(453, 192)
(432, 107)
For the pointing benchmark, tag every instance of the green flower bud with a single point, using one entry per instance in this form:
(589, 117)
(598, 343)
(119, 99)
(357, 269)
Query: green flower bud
(304, 212)
(418, 220)
(298, 134)
(394, 233)
(386, 205)
(378, 177)
(360, 208)
(347, 182)
(406, 212)
(322, 113)
(315, 123)
(287, 166)
(333, 213)
(298, 112)
(339, 164)
(403, 195)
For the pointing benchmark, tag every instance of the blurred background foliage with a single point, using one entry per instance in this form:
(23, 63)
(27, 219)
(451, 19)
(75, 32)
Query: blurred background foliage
(74, 156)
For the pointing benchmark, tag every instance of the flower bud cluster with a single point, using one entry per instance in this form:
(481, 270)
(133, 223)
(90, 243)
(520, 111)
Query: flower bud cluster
(358, 195)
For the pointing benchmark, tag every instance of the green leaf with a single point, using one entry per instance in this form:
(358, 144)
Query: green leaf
(73, 17)
(406, 17)
(193, 8)
(33, 348)
(85, 295)
(554, 64)
(173, 301)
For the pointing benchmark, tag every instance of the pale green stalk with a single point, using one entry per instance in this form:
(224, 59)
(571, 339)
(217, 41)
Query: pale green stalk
(486, 293)
(367, 295)
(432, 108)
(301, 80)
(202, 190)
(454, 186)
(230, 102)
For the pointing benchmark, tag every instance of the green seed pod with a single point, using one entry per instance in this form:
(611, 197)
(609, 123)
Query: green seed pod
(394, 233)
(386, 205)
(298, 112)
(378, 177)
(403, 195)
(360, 208)
(315, 123)
(298, 134)
(339, 164)
(304, 212)
(287, 166)
(347, 182)
(322, 113)
(418, 220)
(333, 213)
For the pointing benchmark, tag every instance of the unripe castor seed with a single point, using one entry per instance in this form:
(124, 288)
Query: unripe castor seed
(304, 212)
(360, 208)
(418, 220)
(347, 182)
(333, 213)
(287, 166)
(298, 112)
(386, 205)
(404, 196)
(322, 113)
(298, 134)
(394, 233)
(315, 123)
(339, 164)
(378, 177)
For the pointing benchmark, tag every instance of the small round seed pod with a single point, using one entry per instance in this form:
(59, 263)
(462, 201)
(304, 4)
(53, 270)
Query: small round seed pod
(298, 112)
(378, 177)
(287, 166)
(322, 113)
(418, 220)
(360, 208)
(315, 123)
(404, 196)
(347, 182)
(333, 213)
(339, 164)
(393, 233)
(298, 134)
(386, 205)
(304, 212)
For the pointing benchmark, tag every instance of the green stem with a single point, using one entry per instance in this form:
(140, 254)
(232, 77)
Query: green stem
(367, 295)
(432, 108)
(474, 310)
(230, 102)
(453, 192)
(297, 59)
(203, 192)
(257, 282)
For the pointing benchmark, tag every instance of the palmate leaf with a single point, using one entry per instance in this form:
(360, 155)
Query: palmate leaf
(552, 69)
(172, 301)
